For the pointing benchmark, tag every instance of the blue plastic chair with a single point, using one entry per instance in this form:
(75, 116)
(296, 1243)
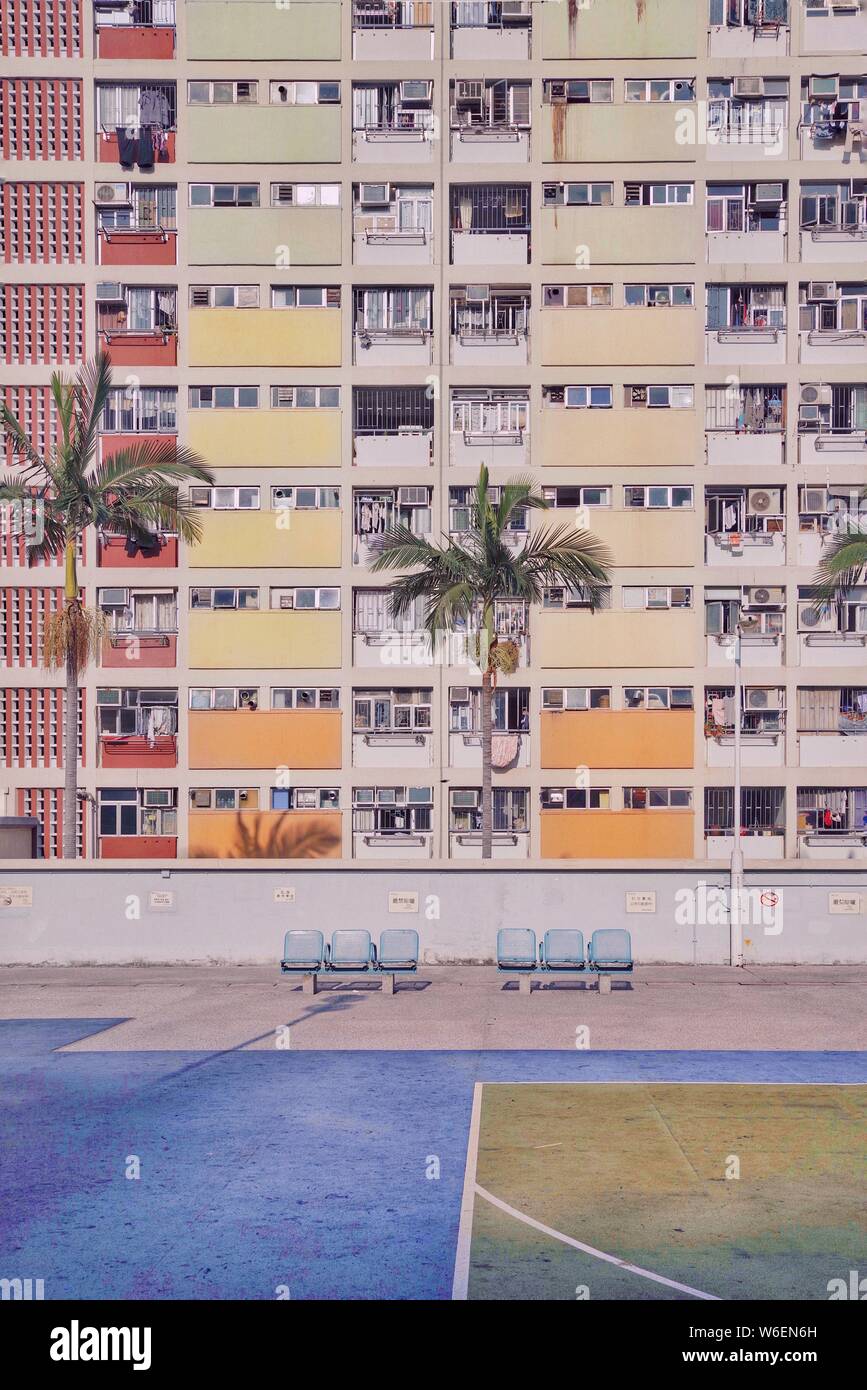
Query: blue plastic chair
(610, 950)
(303, 952)
(516, 949)
(563, 949)
(351, 951)
(398, 949)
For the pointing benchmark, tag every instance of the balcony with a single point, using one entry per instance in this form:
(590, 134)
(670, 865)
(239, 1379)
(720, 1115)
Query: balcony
(618, 235)
(378, 642)
(490, 224)
(392, 224)
(591, 834)
(579, 639)
(392, 32)
(136, 650)
(291, 538)
(834, 512)
(831, 646)
(136, 123)
(276, 438)
(626, 337)
(116, 552)
(276, 835)
(490, 426)
(140, 233)
(294, 33)
(745, 527)
(138, 750)
(745, 427)
(144, 29)
(489, 121)
(375, 511)
(393, 328)
(736, 33)
(833, 323)
(138, 846)
(745, 325)
(662, 29)
(839, 30)
(137, 325)
(838, 240)
(482, 31)
(762, 647)
(264, 739)
(142, 628)
(755, 844)
(747, 129)
(607, 738)
(249, 236)
(511, 823)
(763, 727)
(275, 133)
(832, 724)
(618, 438)
(490, 326)
(392, 427)
(601, 132)
(393, 122)
(259, 640)
(264, 337)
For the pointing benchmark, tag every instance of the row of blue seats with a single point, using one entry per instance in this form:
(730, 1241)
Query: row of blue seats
(609, 952)
(350, 952)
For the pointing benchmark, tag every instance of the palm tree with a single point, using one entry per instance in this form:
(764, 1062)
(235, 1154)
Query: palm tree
(132, 494)
(462, 580)
(843, 563)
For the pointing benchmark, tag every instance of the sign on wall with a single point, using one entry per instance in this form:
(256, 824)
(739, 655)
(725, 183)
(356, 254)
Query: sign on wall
(403, 902)
(16, 896)
(844, 903)
(161, 900)
(284, 895)
(641, 902)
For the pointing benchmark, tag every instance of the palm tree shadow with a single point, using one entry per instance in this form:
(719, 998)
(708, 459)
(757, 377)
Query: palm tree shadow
(257, 836)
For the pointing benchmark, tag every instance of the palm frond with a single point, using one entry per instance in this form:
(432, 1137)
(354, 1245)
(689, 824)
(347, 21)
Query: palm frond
(842, 566)
(89, 398)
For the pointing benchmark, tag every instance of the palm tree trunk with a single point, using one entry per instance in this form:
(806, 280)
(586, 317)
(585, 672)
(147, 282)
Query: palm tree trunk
(70, 756)
(487, 809)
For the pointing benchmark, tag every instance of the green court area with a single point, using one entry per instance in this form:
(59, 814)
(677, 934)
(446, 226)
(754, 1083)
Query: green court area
(721, 1191)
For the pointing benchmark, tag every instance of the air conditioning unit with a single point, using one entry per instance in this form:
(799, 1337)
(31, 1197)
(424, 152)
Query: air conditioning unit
(557, 93)
(374, 195)
(158, 796)
(287, 600)
(114, 598)
(757, 596)
(811, 619)
(764, 501)
(201, 799)
(412, 496)
(763, 699)
(814, 499)
(460, 695)
(552, 193)
(243, 795)
(821, 289)
(416, 89)
(769, 193)
(513, 9)
(472, 90)
(109, 292)
(824, 88)
(813, 393)
(749, 86)
(477, 294)
(284, 195)
(112, 195)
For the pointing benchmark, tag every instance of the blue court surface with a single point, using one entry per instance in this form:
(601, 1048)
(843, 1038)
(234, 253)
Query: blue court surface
(264, 1174)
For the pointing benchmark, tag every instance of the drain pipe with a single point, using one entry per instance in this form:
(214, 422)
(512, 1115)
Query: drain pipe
(736, 887)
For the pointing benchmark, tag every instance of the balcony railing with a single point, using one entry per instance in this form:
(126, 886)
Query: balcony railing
(392, 14)
(136, 14)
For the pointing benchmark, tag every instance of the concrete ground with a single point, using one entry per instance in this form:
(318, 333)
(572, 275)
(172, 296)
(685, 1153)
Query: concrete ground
(217, 1008)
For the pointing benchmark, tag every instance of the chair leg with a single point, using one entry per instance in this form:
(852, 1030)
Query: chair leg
(604, 984)
(526, 984)
(387, 983)
(309, 985)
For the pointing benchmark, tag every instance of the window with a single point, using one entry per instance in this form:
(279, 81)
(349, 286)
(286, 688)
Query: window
(303, 93)
(559, 596)
(577, 296)
(651, 596)
(660, 89)
(222, 93)
(751, 207)
(224, 798)
(136, 309)
(575, 799)
(305, 195)
(588, 397)
(139, 610)
(305, 598)
(224, 697)
(224, 397)
(659, 397)
(304, 498)
(575, 496)
(577, 194)
(834, 207)
(305, 297)
(509, 810)
(762, 809)
(746, 308)
(745, 409)
(657, 496)
(224, 296)
(832, 711)
(397, 310)
(138, 811)
(828, 307)
(225, 499)
(392, 810)
(152, 208)
(305, 397)
(658, 296)
(491, 412)
(391, 711)
(305, 697)
(657, 798)
(205, 597)
(576, 697)
(305, 798)
(510, 711)
(577, 90)
(140, 411)
(657, 697)
(736, 14)
(224, 195)
(657, 194)
(130, 711)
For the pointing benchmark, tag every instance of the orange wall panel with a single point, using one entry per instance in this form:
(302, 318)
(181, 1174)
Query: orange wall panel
(617, 738)
(264, 738)
(617, 834)
(265, 834)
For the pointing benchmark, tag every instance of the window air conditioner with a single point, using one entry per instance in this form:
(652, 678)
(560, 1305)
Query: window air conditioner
(201, 799)
(157, 796)
(814, 499)
(374, 194)
(769, 193)
(554, 296)
(114, 598)
(112, 195)
(412, 496)
(287, 600)
(552, 193)
(748, 86)
(477, 294)
(109, 292)
(460, 695)
(416, 89)
(760, 597)
(824, 88)
(812, 393)
(764, 501)
(469, 90)
(812, 619)
(822, 289)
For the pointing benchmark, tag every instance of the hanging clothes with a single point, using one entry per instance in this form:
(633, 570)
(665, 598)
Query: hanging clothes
(127, 147)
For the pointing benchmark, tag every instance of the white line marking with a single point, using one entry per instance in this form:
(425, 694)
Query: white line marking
(468, 1199)
(548, 1146)
(589, 1249)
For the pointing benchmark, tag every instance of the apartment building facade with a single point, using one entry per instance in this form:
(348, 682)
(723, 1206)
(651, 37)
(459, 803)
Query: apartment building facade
(351, 251)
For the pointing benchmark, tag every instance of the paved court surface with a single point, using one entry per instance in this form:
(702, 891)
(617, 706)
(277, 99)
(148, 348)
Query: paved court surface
(209, 1008)
(329, 1161)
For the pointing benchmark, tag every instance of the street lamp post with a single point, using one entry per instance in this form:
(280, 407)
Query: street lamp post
(737, 861)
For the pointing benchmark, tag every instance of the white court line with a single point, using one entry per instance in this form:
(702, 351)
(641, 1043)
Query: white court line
(591, 1250)
(465, 1229)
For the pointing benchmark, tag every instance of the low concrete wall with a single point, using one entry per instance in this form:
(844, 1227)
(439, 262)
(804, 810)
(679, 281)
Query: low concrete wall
(123, 914)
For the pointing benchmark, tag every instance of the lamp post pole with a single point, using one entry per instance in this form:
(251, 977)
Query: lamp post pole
(737, 860)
